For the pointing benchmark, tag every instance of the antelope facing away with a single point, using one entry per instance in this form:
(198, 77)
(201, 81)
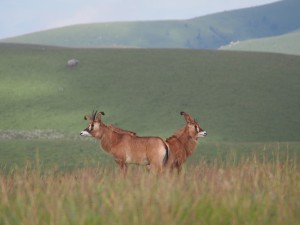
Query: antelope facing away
(125, 146)
(183, 143)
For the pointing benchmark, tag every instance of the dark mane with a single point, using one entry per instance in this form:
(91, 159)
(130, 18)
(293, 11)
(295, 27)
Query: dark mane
(120, 130)
(178, 133)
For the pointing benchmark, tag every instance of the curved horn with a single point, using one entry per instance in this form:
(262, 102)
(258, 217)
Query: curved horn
(94, 114)
(187, 117)
(98, 116)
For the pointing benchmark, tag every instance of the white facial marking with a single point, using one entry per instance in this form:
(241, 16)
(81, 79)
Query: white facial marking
(202, 134)
(85, 134)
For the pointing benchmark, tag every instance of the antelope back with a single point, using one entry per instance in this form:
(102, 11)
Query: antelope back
(120, 130)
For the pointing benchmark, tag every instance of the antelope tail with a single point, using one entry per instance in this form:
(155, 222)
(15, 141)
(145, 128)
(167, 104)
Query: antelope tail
(166, 155)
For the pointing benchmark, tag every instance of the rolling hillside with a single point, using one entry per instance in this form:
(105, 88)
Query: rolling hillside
(287, 44)
(212, 31)
(235, 96)
(247, 102)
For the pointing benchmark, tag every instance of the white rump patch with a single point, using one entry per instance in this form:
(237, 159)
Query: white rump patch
(128, 158)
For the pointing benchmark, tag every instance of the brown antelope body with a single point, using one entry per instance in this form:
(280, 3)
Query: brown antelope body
(125, 146)
(183, 143)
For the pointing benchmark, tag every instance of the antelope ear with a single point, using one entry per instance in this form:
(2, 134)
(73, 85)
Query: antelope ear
(86, 117)
(187, 117)
(98, 116)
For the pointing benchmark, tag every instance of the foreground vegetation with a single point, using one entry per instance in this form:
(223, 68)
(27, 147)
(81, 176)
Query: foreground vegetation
(249, 191)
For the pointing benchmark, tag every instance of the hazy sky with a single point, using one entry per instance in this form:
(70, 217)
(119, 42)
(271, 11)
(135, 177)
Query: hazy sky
(26, 16)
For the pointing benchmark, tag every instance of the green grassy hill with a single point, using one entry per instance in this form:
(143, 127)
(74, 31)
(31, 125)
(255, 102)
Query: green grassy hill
(287, 44)
(237, 97)
(212, 31)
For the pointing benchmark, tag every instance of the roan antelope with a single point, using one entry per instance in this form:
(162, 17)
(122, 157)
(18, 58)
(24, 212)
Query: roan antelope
(183, 143)
(125, 146)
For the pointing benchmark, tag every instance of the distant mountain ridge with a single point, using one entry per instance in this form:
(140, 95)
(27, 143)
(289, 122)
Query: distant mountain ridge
(206, 32)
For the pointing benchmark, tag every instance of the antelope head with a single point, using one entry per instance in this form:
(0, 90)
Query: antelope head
(94, 124)
(194, 128)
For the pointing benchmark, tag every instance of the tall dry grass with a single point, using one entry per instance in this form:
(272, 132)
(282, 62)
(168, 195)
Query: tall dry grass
(222, 192)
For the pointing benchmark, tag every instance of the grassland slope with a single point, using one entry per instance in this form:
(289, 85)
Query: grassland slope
(212, 31)
(235, 96)
(286, 44)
